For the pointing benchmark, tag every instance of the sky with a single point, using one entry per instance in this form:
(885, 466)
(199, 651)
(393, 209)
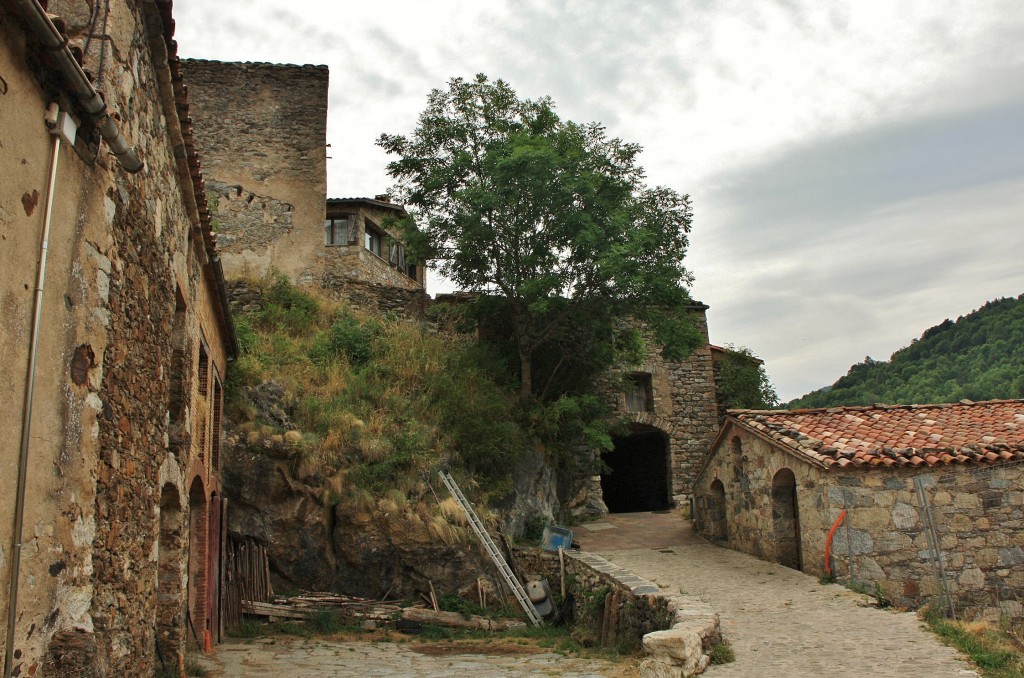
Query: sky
(856, 168)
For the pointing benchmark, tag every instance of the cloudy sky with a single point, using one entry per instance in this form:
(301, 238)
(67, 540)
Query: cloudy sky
(856, 168)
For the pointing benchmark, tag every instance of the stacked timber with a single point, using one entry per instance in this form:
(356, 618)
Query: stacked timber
(308, 604)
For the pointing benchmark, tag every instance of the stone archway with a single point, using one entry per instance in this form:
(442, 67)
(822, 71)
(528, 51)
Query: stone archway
(786, 519)
(170, 603)
(198, 534)
(639, 474)
(718, 527)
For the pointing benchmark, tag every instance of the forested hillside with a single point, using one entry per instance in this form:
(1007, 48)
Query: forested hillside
(979, 357)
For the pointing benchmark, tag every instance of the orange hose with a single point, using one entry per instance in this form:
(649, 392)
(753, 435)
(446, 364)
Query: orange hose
(828, 543)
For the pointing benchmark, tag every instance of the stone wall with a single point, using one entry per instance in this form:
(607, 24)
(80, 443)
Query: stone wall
(684, 404)
(128, 282)
(978, 516)
(881, 546)
(675, 631)
(262, 134)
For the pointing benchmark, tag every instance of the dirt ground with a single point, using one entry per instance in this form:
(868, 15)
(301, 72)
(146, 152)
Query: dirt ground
(353, 655)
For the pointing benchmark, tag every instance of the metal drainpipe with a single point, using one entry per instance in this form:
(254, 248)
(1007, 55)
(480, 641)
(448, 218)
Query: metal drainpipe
(26, 420)
(90, 100)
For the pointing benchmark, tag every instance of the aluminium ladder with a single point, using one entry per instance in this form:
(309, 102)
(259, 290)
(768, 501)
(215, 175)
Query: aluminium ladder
(481, 532)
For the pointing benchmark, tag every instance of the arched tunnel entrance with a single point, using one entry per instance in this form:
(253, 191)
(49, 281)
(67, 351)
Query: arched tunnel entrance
(639, 472)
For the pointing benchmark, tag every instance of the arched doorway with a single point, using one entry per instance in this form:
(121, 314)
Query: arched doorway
(718, 528)
(170, 574)
(198, 534)
(786, 519)
(639, 472)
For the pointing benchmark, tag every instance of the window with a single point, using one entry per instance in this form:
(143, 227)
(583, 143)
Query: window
(215, 439)
(203, 374)
(373, 238)
(338, 230)
(639, 396)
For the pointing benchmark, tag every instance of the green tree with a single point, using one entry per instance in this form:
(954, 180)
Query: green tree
(553, 216)
(979, 356)
(743, 381)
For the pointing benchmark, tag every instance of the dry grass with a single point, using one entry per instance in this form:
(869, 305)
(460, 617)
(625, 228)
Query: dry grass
(996, 650)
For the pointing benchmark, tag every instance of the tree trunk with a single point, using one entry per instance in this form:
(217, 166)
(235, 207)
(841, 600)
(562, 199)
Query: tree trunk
(526, 372)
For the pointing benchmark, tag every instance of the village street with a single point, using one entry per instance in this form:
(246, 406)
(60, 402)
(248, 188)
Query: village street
(780, 622)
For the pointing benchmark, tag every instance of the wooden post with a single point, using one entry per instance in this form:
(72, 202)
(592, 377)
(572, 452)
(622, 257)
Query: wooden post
(561, 569)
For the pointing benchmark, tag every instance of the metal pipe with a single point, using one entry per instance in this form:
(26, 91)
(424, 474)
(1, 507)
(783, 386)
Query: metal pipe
(26, 419)
(81, 88)
(828, 543)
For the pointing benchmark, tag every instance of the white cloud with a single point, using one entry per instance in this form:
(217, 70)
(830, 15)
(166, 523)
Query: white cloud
(853, 164)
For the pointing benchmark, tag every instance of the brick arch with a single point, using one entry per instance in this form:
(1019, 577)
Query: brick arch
(198, 535)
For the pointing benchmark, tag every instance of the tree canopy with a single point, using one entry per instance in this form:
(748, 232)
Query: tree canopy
(980, 356)
(554, 217)
(743, 381)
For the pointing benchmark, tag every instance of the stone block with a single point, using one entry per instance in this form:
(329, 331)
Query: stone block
(674, 652)
(1011, 556)
(904, 516)
(963, 500)
(972, 579)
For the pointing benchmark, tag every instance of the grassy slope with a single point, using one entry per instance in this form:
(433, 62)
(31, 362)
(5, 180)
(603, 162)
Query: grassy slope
(379, 405)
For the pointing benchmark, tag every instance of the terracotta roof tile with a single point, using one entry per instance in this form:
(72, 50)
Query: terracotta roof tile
(897, 435)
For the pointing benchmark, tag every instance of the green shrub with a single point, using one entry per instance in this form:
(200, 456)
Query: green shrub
(327, 621)
(451, 602)
(722, 653)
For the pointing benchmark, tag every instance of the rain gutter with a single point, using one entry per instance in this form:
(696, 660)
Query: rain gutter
(90, 100)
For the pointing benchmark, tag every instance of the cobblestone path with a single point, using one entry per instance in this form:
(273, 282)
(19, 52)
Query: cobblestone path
(780, 622)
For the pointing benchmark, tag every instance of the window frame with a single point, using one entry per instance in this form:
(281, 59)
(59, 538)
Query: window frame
(373, 234)
(639, 393)
(337, 230)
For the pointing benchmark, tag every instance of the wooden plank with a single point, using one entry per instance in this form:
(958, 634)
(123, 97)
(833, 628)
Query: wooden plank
(263, 609)
(455, 619)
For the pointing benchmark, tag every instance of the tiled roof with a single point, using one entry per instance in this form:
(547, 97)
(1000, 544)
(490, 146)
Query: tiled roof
(367, 201)
(897, 435)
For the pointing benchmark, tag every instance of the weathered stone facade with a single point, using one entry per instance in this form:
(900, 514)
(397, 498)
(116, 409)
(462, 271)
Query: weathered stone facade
(132, 326)
(262, 129)
(363, 263)
(674, 415)
(262, 133)
(758, 496)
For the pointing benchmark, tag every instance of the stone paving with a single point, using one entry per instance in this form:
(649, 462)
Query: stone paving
(780, 622)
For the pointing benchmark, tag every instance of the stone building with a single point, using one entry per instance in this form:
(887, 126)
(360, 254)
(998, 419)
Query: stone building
(875, 488)
(365, 263)
(673, 412)
(115, 321)
(262, 130)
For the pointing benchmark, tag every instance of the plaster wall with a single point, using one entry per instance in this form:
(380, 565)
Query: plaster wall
(119, 250)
